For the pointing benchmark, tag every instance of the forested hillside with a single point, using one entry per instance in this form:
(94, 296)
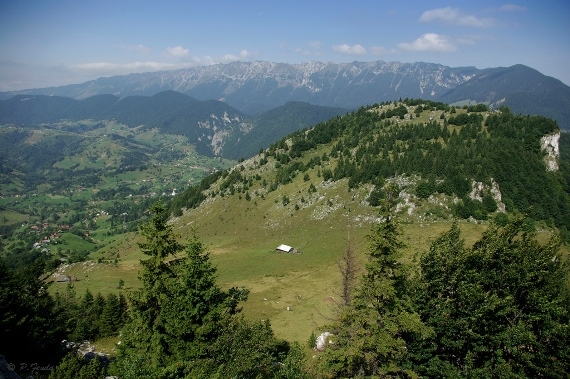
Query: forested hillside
(487, 295)
(213, 127)
(275, 124)
(449, 151)
(169, 112)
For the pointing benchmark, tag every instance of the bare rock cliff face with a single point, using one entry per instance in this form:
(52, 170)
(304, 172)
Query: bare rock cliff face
(478, 189)
(551, 144)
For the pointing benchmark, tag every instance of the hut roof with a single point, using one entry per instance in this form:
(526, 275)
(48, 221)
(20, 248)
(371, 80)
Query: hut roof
(285, 248)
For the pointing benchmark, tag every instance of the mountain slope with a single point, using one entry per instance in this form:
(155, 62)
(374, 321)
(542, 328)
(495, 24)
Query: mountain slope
(274, 125)
(523, 89)
(318, 191)
(255, 87)
(171, 112)
(215, 128)
(23, 109)
(451, 154)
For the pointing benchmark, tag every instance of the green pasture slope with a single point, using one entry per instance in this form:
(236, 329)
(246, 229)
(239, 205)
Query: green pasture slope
(296, 292)
(242, 228)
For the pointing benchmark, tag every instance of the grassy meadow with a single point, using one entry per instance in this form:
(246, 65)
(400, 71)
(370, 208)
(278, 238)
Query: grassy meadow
(296, 292)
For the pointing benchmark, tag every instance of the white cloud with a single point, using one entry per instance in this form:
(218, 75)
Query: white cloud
(454, 16)
(428, 42)
(177, 52)
(315, 45)
(351, 50)
(512, 8)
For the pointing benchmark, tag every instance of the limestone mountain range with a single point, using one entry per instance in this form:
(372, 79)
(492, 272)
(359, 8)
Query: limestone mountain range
(259, 86)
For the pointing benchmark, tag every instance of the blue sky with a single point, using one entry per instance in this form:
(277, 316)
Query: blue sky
(56, 42)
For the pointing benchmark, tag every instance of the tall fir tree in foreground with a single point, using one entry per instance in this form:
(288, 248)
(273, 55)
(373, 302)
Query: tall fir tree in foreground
(30, 326)
(371, 334)
(146, 334)
(499, 309)
(182, 324)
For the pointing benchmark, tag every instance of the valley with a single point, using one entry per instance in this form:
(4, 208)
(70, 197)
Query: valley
(86, 182)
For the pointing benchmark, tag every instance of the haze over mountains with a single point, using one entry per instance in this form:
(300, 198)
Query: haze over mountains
(213, 127)
(255, 87)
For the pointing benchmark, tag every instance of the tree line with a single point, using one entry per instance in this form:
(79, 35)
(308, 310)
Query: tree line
(91, 316)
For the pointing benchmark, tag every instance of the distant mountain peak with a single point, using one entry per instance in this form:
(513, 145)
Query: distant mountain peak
(258, 86)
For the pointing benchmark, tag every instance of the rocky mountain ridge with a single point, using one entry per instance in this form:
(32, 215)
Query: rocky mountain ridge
(329, 84)
(259, 86)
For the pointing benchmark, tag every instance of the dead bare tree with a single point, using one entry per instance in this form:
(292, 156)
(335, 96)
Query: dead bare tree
(348, 267)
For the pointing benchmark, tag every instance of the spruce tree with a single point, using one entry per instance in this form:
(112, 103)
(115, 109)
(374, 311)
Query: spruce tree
(371, 334)
(183, 325)
(146, 334)
(197, 307)
(110, 320)
(87, 323)
(96, 312)
(499, 308)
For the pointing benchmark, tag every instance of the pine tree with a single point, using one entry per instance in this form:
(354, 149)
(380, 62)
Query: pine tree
(96, 311)
(87, 300)
(183, 325)
(110, 320)
(197, 306)
(146, 334)
(371, 334)
(87, 322)
(498, 309)
(123, 309)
